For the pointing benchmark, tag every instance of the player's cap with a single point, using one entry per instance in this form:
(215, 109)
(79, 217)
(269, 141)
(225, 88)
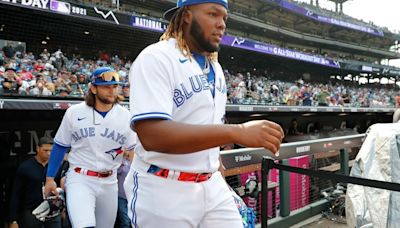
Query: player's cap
(104, 76)
(181, 3)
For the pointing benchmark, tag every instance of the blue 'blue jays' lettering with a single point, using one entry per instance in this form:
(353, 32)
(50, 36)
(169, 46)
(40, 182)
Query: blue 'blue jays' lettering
(198, 83)
(196, 88)
(187, 95)
(83, 133)
(115, 136)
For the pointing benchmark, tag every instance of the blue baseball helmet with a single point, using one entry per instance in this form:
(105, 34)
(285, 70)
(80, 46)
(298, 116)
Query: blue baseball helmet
(181, 3)
(104, 76)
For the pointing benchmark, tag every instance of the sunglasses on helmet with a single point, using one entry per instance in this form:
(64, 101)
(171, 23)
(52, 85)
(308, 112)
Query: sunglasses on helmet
(109, 76)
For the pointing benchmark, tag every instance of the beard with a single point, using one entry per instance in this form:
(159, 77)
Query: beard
(106, 100)
(198, 35)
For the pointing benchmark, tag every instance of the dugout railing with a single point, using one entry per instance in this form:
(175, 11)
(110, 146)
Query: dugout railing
(250, 159)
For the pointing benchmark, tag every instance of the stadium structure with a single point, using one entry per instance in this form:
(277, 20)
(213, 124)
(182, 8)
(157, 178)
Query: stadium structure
(278, 43)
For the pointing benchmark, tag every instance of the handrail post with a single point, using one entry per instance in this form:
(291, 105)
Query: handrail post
(344, 162)
(284, 190)
(265, 167)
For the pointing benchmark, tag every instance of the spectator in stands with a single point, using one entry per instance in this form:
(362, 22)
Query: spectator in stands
(38, 67)
(40, 89)
(241, 91)
(332, 101)
(8, 87)
(125, 90)
(345, 98)
(22, 87)
(83, 83)
(63, 92)
(61, 84)
(46, 76)
(306, 96)
(27, 191)
(45, 56)
(51, 87)
(26, 74)
(11, 74)
(75, 86)
(294, 92)
(323, 96)
(30, 56)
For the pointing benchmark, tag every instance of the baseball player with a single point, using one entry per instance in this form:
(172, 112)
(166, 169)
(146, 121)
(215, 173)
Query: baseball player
(178, 106)
(97, 131)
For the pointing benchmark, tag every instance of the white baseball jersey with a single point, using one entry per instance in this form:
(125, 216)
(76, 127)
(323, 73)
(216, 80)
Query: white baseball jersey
(167, 85)
(96, 142)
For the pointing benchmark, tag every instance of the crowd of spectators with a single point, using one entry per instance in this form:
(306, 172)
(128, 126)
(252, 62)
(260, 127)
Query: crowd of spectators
(261, 90)
(53, 74)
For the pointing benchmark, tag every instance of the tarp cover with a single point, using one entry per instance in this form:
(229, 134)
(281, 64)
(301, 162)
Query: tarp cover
(378, 159)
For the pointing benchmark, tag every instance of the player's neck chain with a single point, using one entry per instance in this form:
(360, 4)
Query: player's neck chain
(206, 68)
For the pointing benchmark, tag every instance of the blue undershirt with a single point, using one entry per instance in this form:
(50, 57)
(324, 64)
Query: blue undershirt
(56, 158)
(201, 60)
(103, 114)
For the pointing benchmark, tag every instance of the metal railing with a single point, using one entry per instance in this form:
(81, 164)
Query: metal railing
(234, 159)
(250, 156)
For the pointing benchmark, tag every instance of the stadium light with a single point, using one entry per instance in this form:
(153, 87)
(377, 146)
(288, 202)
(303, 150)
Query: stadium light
(258, 114)
(308, 114)
(44, 42)
(86, 32)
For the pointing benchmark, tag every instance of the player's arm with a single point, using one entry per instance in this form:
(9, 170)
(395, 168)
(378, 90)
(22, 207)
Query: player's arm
(56, 158)
(167, 136)
(62, 142)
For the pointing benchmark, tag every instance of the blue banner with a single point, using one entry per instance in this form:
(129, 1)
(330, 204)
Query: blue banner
(277, 51)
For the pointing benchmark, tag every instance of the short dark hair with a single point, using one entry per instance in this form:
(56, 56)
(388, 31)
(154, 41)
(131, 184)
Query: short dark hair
(45, 140)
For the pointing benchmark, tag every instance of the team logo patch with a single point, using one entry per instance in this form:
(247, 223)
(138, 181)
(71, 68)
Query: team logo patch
(115, 152)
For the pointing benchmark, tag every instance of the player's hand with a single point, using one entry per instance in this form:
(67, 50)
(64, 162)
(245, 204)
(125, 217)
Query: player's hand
(50, 188)
(260, 133)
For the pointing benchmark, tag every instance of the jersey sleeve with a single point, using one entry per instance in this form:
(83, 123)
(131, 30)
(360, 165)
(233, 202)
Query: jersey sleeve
(151, 91)
(131, 140)
(64, 133)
